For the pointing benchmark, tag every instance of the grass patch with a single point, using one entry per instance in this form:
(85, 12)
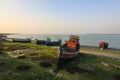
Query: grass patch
(39, 60)
(90, 67)
(30, 76)
(75, 69)
(33, 49)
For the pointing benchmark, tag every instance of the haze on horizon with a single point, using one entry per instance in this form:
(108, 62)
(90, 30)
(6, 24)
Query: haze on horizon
(60, 16)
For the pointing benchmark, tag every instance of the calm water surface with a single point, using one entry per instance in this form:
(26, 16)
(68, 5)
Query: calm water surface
(88, 39)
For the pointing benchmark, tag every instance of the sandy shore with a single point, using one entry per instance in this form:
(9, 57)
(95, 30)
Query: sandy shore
(96, 51)
(110, 52)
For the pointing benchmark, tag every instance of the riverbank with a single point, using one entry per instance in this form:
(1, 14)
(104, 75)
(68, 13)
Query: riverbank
(30, 61)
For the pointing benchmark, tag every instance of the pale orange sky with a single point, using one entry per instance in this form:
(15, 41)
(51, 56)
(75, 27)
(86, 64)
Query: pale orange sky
(34, 16)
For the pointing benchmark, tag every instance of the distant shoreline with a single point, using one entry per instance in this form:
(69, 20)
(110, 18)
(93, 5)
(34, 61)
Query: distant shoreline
(88, 40)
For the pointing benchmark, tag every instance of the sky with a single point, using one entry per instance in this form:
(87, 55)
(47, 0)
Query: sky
(60, 16)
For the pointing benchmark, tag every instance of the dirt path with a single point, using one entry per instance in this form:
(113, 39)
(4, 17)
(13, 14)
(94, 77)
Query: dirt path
(101, 53)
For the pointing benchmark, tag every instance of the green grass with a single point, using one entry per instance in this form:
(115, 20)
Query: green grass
(99, 71)
(35, 49)
(36, 72)
(101, 68)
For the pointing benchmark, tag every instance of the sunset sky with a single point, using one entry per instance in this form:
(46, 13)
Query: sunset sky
(60, 16)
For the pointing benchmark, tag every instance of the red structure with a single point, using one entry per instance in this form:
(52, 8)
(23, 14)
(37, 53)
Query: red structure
(103, 45)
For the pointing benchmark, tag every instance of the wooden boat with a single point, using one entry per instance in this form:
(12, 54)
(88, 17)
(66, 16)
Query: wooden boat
(48, 42)
(40, 42)
(27, 40)
(70, 49)
(53, 43)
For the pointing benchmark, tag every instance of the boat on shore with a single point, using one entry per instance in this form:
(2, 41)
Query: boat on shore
(53, 43)
(40, 42)
(69, 49)
(48, 42)
(27, 40)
